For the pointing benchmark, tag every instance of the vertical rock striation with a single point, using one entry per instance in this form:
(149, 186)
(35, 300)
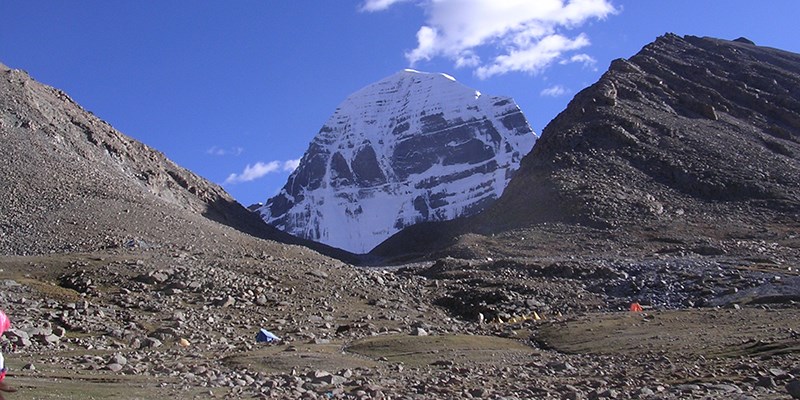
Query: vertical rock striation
(410, 148)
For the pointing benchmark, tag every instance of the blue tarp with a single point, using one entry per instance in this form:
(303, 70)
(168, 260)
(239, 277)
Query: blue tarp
(266, 336)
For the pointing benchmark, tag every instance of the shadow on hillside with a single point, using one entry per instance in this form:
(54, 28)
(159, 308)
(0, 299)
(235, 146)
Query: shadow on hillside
(234, 215)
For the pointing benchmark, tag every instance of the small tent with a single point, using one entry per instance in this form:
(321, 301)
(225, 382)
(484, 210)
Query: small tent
(266, 336)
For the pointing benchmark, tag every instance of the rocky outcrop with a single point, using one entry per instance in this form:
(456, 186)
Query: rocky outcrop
(687, 126)
(692, 137)
(411, 148)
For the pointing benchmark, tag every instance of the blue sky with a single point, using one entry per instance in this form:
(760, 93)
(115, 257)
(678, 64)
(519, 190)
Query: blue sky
(222, 86)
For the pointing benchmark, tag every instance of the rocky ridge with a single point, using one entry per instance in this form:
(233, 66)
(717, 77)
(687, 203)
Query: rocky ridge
(690, 140)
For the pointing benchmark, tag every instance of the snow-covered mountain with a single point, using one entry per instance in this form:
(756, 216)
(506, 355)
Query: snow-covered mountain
(410, 148)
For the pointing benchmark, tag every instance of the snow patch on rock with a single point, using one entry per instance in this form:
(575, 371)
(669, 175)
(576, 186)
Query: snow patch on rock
(411, 148)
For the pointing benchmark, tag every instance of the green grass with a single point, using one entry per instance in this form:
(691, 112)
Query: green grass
(425, 350)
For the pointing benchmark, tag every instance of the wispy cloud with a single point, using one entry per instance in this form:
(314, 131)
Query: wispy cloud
(519, 35)
(291, 165)
(585, 59)
(379, 5)
(534, 58)
(219, 151)
(554, 91)
(260, 169)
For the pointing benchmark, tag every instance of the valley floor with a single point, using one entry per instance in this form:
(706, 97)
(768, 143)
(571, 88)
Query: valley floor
(138, 323)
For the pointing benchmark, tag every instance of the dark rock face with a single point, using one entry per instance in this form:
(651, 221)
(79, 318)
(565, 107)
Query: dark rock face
(413, 147)
(690, 134)
(366, 168)
(684, 123)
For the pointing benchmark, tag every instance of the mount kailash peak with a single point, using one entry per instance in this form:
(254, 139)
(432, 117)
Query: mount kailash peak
(411, 148)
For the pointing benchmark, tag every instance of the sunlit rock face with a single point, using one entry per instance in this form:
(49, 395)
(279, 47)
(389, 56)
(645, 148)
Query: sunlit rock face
(411, 148)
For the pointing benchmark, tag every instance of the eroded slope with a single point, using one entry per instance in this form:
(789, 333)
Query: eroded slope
(693, 141)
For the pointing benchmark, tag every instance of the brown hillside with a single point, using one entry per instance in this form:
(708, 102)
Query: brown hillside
(691, 138)
(71, 182)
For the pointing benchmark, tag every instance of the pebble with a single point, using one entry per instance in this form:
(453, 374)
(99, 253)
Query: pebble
(766, 382)
(118, 359)
(114, 367)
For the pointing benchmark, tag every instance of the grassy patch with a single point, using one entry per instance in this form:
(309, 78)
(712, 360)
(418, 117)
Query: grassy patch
(425, 350)
(283, 358)
(98, 388)
(50, 290)
(706, 332)
(762, 349)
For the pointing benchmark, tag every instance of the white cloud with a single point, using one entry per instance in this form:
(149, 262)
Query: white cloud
(582, 58)
(291, 165)
(218, 151)
(553, 91)
(520, 35)
(260, 169)
(585, 59)
(427, 38)
(534, 58)
(378, 5)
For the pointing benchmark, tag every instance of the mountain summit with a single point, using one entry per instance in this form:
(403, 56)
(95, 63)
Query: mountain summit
(410, 148)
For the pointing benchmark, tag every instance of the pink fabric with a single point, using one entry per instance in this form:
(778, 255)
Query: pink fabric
(4, 322)
(4, 325)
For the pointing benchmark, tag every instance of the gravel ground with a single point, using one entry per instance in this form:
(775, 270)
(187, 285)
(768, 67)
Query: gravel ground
(184, 325)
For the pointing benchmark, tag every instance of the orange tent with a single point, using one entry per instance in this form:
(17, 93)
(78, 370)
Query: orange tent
(636, 307)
